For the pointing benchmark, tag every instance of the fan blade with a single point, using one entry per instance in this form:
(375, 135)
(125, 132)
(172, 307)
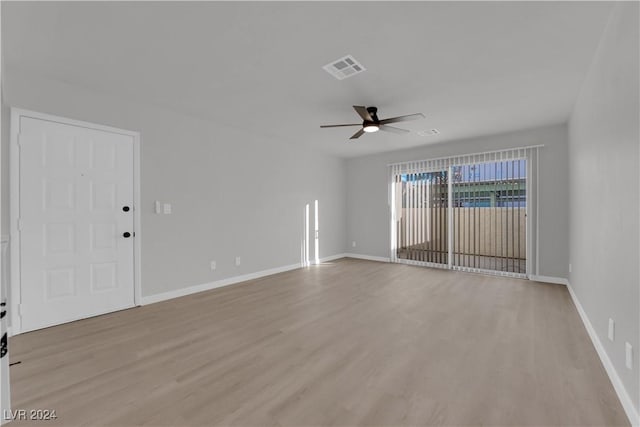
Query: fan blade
(402, 118)
(338, 126)
(357, 134)
(362, 112)
(387, 128)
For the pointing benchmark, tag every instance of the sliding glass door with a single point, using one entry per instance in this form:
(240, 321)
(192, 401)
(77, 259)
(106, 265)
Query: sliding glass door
(465, 213)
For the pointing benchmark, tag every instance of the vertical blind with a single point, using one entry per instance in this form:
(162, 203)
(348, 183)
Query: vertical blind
(421, 205)
(467, 212)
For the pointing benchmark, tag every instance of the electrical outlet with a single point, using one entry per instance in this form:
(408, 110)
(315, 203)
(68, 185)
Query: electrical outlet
(237, 261)
(629, 355)
(213, 265)
(353, 244)
(612, 330)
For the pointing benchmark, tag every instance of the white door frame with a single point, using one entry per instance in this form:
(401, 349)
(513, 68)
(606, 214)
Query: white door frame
(14, 170)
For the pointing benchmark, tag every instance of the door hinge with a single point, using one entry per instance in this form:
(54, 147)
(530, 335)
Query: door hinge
(19, 310)
(20, 224)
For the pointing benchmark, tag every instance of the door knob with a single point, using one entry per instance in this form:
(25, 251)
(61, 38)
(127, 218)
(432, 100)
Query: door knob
(125, 208)
(126, 234)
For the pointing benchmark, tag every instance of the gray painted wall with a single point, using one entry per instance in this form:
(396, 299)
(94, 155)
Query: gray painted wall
(604, 163)
(367, 183)
(4, 154)
(233, 193)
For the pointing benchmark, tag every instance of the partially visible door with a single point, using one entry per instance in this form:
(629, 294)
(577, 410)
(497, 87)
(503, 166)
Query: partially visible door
(76, 222)
(489, 216)
(421, 218)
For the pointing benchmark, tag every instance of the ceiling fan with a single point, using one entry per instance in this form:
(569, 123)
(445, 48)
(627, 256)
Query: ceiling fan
(371, 123)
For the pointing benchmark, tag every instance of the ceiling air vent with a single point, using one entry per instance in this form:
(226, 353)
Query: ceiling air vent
(428, 132)
(344, 67)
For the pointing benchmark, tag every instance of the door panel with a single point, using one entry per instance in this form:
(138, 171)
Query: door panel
(421, 217)
(489, 216)
(74, 260)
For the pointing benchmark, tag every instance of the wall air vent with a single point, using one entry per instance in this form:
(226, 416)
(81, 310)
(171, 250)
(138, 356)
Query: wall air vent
(344, 67)
(428, 132)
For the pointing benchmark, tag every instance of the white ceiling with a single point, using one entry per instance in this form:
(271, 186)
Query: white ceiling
(473, 68)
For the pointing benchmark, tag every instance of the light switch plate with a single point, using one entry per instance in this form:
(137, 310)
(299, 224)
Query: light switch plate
(628, 355)
(167, 208)
(158, 207)
(237, 261)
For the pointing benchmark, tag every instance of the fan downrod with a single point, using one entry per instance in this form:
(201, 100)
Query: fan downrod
(373, 113)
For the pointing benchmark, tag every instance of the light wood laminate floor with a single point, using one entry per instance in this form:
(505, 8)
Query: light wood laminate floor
(350, 342)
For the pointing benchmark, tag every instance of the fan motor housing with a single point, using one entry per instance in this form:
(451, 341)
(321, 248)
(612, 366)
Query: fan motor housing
(373, 112)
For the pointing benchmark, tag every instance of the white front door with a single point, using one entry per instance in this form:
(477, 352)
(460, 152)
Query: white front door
(75, 221)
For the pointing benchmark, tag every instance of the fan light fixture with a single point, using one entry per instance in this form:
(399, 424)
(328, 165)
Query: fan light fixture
(371, 122)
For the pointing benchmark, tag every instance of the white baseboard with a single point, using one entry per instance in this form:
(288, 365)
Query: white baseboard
(226, 282)
(331, 258)
(368, 257)
(213, 285)
(625, 399)
(550, 279)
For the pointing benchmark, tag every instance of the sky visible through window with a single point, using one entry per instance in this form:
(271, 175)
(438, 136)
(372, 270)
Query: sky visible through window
(493, 171)
(492, 184)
